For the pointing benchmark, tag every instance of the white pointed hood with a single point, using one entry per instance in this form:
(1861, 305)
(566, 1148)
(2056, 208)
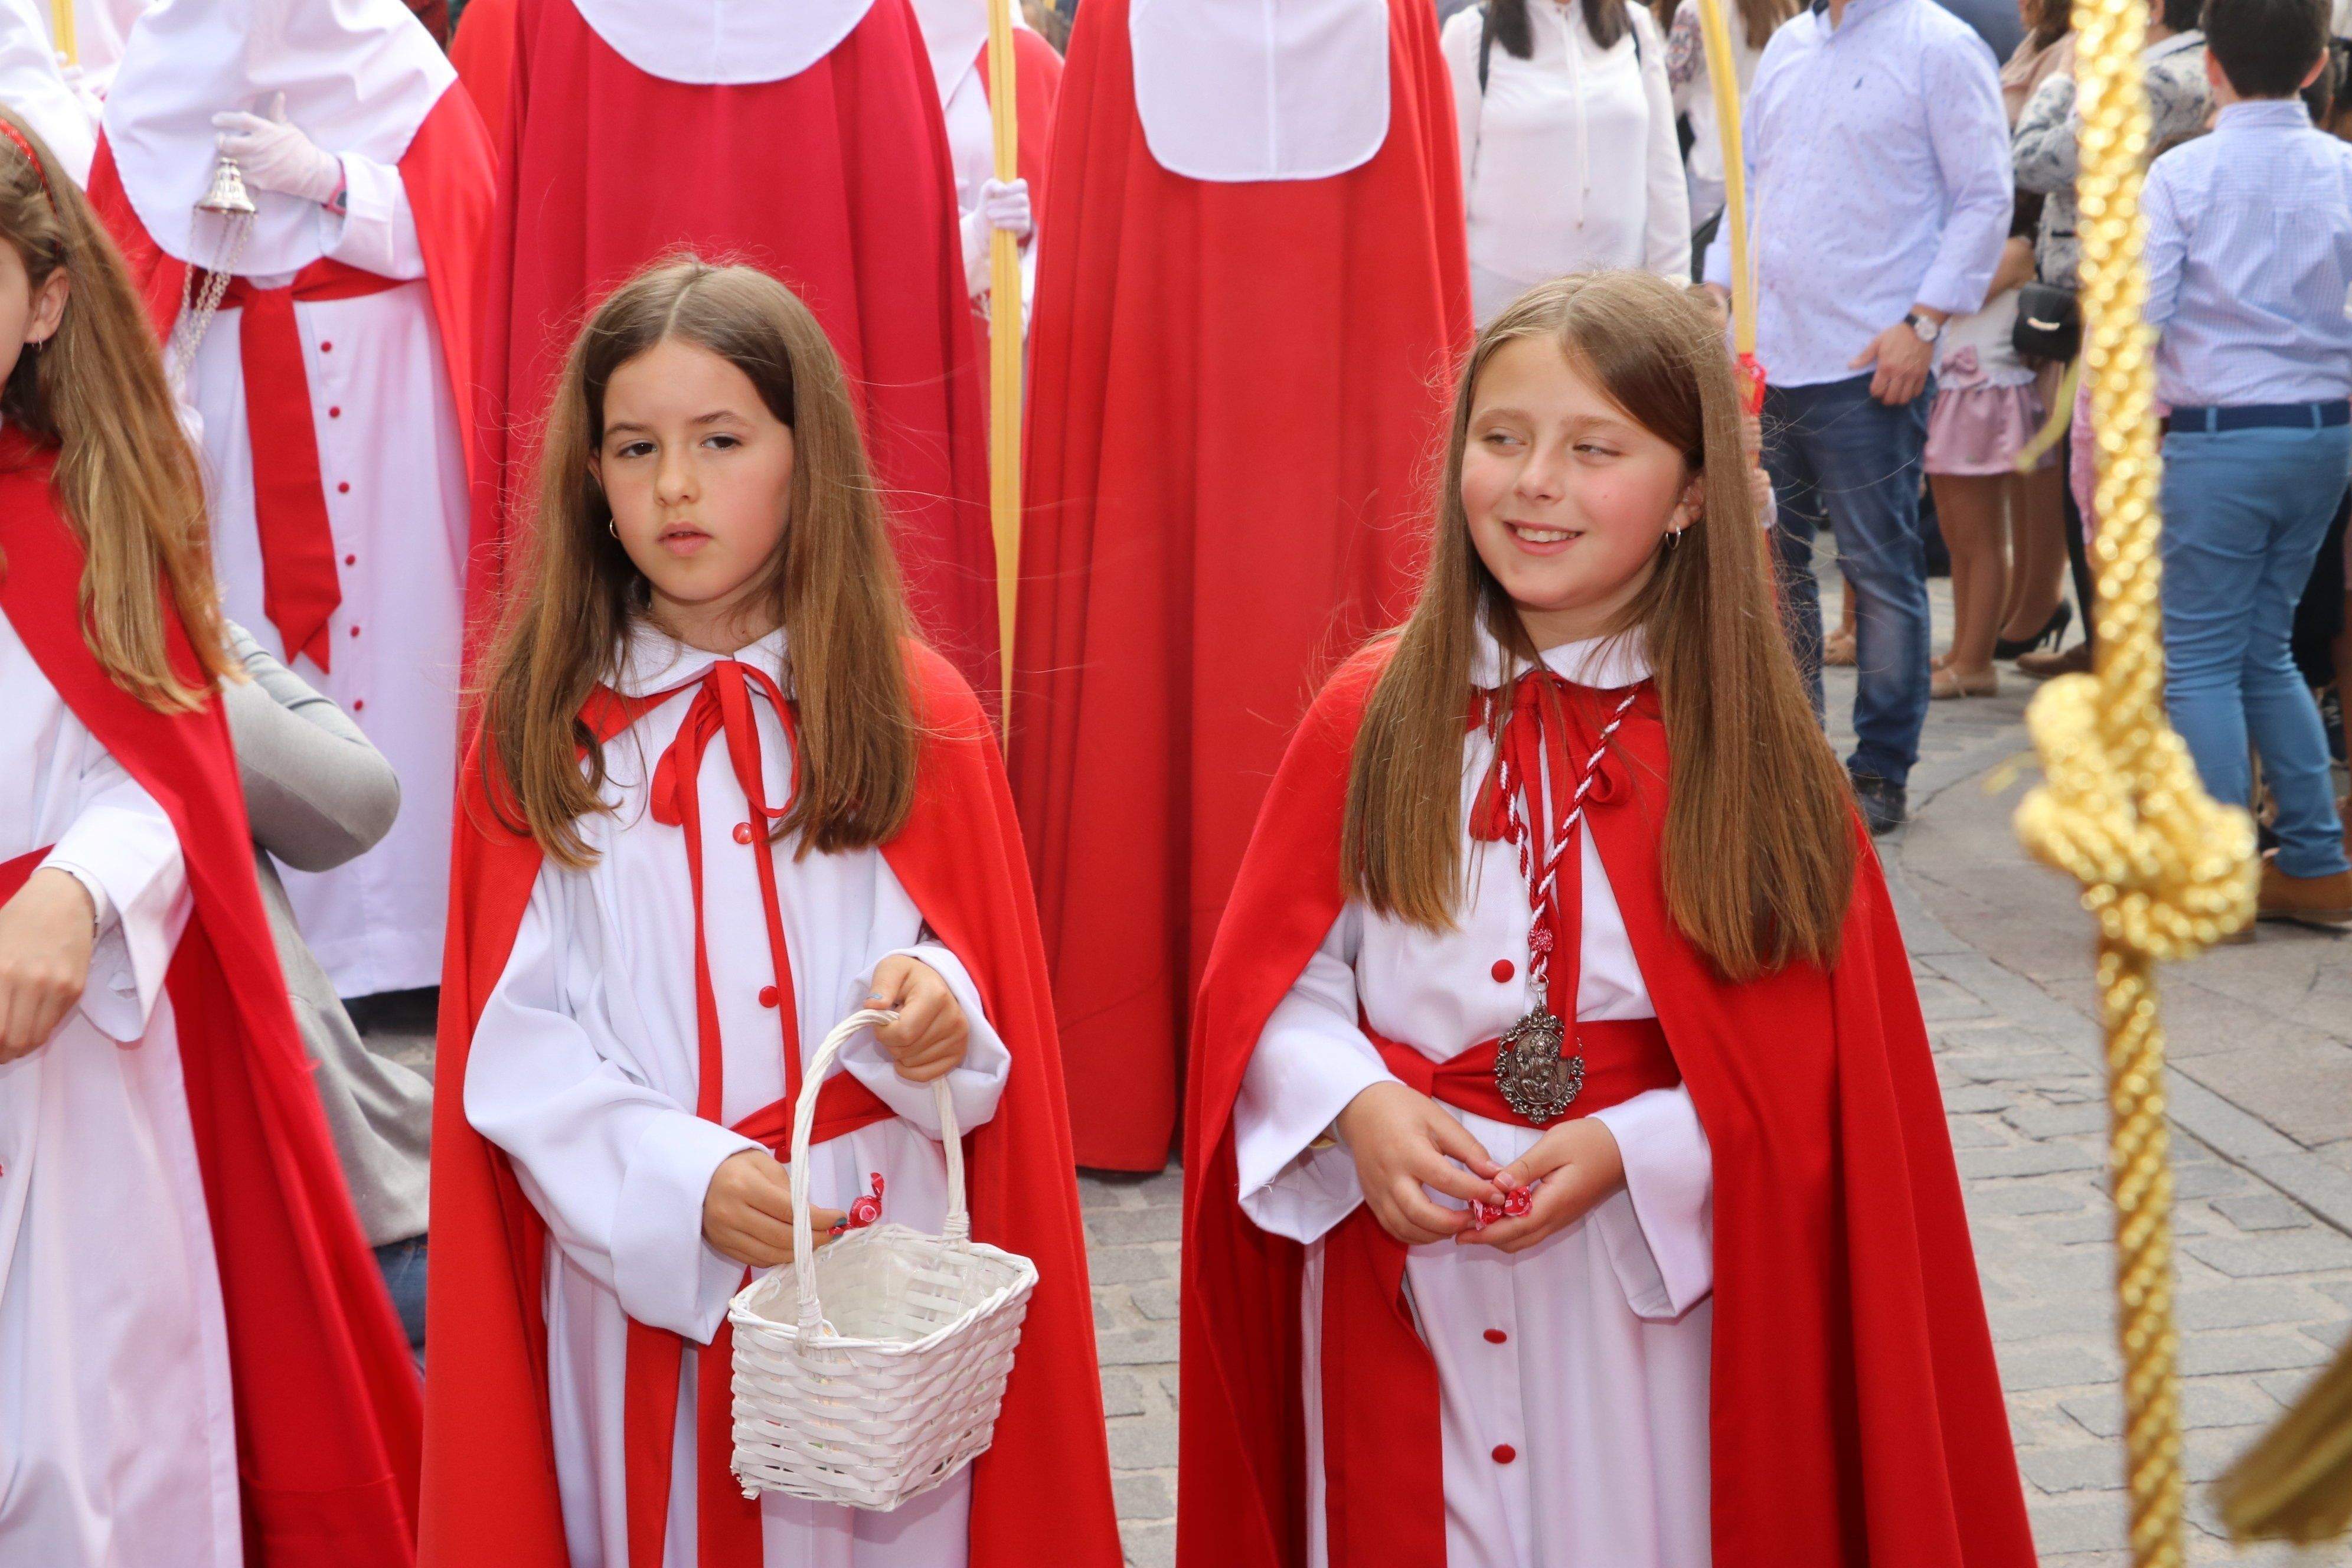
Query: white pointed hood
(954, 32)
(359, 77)
(1261, 89)
(32, 85)
(723, 42)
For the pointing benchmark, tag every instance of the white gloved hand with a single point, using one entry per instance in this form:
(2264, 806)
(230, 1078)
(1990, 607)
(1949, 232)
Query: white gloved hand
(275, 156)
(1005, 206)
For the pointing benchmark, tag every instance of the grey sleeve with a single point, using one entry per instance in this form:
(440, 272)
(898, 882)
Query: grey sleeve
(317, 792)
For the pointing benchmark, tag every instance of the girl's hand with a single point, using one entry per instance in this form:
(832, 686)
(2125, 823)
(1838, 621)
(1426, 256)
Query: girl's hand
(1579, 1164)
(46, 936)
(746, 1212)
(929, 1035)
(1403, 1142)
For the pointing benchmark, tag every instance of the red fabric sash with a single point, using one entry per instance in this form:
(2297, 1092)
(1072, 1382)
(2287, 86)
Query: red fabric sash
(299, 588)
(1381, 1441)
(727, 1523)
(14, 873)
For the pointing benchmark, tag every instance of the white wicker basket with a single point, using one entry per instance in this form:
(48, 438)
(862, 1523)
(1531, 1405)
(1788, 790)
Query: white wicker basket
(892, 1383)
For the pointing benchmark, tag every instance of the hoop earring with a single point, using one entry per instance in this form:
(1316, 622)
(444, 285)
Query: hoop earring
(1674, 536)
(611, 528)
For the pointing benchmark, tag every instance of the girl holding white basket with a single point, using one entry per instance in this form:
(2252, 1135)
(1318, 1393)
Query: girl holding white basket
(719, 799)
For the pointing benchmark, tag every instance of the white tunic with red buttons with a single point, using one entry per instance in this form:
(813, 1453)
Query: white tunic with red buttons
(394, 473)
(1573, 1376)
(584, 1070)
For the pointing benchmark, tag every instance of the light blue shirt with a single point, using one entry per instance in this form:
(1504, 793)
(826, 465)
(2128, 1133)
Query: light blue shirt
(1878, 177)
(2250, 261)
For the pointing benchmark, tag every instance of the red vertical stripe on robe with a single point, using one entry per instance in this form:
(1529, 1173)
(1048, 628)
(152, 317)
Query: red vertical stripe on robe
(1236, 391)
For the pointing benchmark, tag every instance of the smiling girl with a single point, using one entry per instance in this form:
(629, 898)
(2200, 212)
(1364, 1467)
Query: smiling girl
(721, 799)
(1567, 1183)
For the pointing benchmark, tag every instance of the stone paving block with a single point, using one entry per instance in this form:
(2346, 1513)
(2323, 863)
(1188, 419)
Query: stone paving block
(2078, 1523)
(1139, 1443)
(2032, 1366)
(1156, 1300)
(2030, 1068)
(1123, 1396)
(2278, 1252)
(1136, 1347)
(1148, 1545)
(1143, 1497)
(1967, 1096)
(1112, 1226)
(1128, 1265)
(2255, 1306)
(2263, 1211)
(2058, 1121)
(2017, 1198)
(2027, 1160)
(1982, 1132)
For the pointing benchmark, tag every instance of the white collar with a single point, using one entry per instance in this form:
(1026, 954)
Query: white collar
(720, 43)
(359, 77)
(1238, 90)
(1623, 659)
(652, 661)
(954, 32)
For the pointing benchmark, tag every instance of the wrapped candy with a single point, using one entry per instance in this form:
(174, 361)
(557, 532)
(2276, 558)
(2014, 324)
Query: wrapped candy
(1514, 1206)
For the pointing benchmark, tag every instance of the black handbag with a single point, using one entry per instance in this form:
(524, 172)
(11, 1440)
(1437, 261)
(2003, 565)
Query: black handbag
(2049, 323)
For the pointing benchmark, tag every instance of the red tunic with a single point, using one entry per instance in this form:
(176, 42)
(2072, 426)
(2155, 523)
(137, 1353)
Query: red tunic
(1855, 1410)
(1235, 390)
(836, 180)
(1042, 1493)
(325, 1393)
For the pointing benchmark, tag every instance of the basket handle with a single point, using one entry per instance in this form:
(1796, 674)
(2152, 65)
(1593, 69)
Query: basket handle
(959, 1220)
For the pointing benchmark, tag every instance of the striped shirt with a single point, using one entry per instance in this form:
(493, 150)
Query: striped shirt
(2250, 261)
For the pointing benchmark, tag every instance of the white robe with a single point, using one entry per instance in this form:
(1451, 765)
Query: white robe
(1580, 1440)
(584, 1071)
(386, 428)
(117, 1444)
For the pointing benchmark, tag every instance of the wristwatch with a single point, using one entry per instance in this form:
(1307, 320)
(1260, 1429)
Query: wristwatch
(1926, 328)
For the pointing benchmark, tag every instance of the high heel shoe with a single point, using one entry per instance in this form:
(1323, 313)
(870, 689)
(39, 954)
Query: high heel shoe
(1947, 683)
(2053, 632)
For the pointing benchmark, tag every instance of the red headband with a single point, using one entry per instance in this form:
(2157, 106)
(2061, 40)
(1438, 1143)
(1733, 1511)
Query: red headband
(33, 158)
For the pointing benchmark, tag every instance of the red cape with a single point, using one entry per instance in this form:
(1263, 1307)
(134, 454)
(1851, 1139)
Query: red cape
(325, 1393)
(1235, 390)
(1041, 1494)
(1856, 1414)
(446, 174)
(483, 51)
(838, 181)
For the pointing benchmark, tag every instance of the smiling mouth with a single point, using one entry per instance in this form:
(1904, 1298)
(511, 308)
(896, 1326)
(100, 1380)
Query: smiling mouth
(1526, 533)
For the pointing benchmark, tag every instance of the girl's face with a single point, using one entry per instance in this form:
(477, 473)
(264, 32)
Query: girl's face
(698, 473)
(27, 315)
(1569, 499)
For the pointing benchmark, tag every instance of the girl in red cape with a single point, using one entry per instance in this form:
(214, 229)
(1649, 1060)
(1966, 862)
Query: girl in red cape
(719, 799)
(1569, 1184)
(198, 1363)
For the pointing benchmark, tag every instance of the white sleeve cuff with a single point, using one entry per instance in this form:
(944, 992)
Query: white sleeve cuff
(1661, 1237)
(663, 1273)
(1302, 1075)
(974, 1087)
(376, 231)
(129, 859)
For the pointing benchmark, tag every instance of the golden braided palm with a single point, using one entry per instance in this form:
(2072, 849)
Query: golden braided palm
(2165, 869)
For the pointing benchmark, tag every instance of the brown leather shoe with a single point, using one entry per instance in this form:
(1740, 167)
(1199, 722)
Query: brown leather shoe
(2076, 661)
(2306, 901)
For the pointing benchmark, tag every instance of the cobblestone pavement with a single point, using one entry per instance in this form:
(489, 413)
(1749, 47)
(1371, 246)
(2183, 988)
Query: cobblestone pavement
(2262, 1097)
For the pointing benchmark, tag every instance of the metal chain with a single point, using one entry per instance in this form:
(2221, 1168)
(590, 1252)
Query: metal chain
(198, 306)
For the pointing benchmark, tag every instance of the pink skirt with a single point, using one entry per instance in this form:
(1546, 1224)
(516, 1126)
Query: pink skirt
(1980, 431)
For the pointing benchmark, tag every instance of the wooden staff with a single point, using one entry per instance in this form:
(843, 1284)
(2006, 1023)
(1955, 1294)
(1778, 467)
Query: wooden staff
(1723, 76)
(1005, 342)
(61, 27)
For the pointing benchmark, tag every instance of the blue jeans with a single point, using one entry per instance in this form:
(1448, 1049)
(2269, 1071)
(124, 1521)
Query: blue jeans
(402, 1264)
(1838, 455)
(2244, 512)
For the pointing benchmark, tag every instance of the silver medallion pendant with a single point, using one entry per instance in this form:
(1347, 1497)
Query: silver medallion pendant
(1538, 1082)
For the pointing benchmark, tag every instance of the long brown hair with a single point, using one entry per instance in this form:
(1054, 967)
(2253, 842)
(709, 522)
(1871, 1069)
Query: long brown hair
(834, 584)
(1760, 848)
(127, 479)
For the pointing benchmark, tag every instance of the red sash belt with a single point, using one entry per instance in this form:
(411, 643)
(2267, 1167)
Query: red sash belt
(1623, 1057)
(1382, 1452)
(299, 586)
